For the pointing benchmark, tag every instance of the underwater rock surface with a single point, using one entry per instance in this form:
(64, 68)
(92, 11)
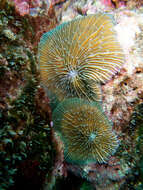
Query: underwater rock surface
(120, 96)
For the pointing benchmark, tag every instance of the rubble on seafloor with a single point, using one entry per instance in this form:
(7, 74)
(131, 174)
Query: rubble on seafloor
(20, 32)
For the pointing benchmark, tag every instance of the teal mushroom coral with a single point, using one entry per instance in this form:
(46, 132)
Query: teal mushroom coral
(85, 130)
(77, 56)
(74, 59)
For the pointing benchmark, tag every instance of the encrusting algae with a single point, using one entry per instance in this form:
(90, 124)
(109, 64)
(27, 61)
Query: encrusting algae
(85, 130)
(77, 56)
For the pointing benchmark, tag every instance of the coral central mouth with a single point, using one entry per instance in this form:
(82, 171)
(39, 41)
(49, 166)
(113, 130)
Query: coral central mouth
(92, 136)
(72, 74)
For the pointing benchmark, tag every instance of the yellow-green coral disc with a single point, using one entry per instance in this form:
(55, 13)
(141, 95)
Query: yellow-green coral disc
(85, 130)
(77, 56)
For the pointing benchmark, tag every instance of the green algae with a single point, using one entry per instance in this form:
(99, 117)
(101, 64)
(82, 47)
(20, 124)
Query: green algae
(86, 186)
(136, 128)
(25, 132)
(139, 146)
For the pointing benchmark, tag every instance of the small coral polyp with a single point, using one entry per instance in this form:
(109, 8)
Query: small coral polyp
(85, 131)
(77, 56)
